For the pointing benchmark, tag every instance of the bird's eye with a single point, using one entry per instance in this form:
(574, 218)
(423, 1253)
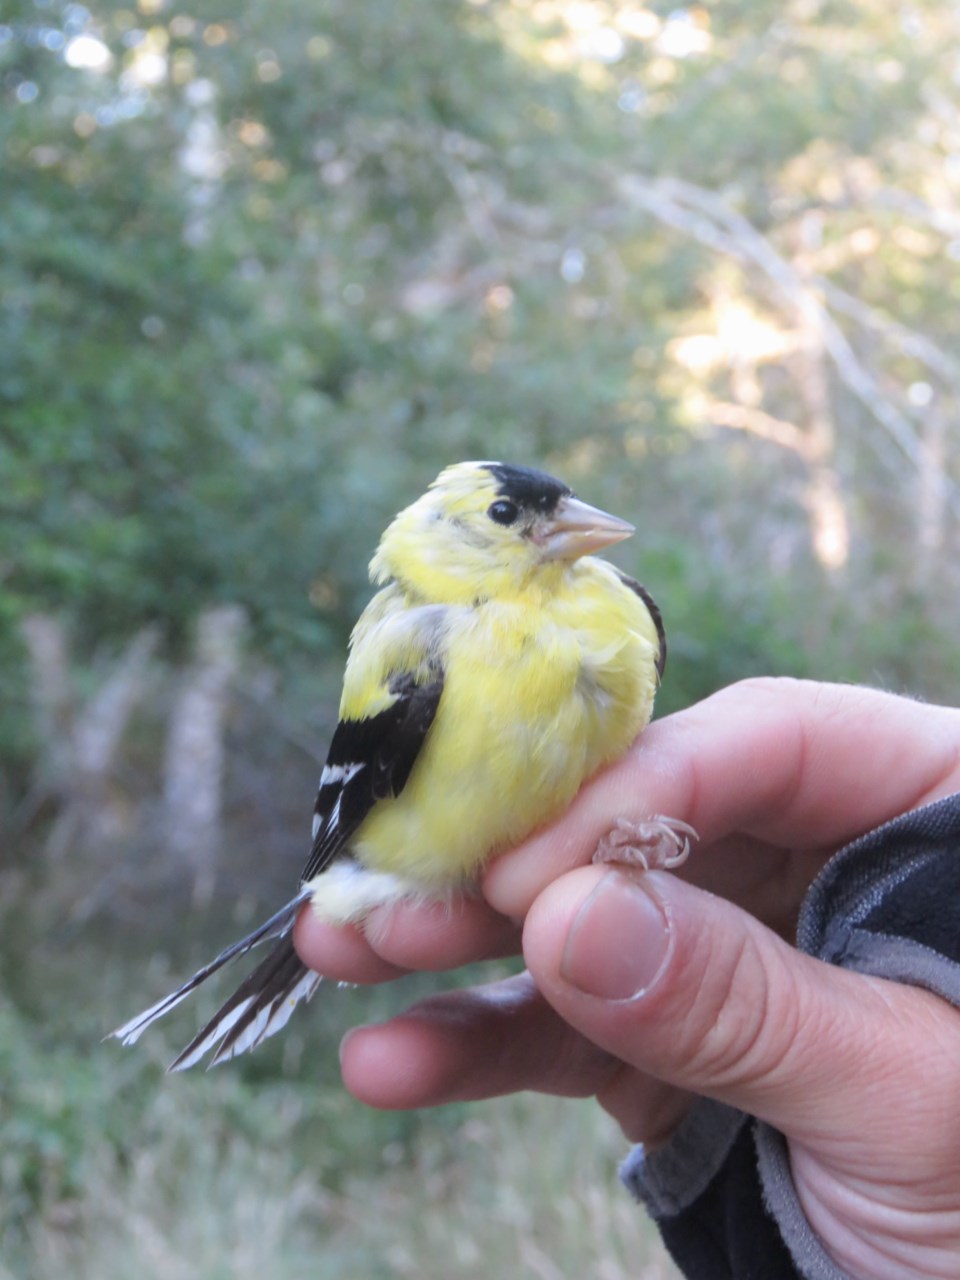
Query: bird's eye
(503, 512)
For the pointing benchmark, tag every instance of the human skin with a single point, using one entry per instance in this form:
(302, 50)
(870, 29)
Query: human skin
(646, 989)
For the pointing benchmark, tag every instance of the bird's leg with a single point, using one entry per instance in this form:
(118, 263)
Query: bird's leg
(655, 845)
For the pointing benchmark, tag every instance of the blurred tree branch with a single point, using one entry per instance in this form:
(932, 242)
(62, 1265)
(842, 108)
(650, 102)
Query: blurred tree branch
(711, 220)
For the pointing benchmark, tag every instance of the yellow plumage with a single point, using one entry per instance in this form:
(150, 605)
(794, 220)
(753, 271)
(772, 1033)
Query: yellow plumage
(499, 666)
(541, 689)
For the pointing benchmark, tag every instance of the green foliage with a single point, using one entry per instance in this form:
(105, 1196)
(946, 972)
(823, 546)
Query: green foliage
(108, 1166)
(46, 1143)
(264, 269)
(255, 292)
(239, 389)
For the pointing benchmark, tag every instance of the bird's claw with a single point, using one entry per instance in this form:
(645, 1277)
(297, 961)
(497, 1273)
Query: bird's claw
(659, 844)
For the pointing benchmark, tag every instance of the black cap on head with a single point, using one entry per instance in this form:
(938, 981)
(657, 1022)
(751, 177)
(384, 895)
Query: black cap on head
(533, 490)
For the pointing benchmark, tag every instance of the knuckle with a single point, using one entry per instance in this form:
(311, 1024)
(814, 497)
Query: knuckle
(745, 1017)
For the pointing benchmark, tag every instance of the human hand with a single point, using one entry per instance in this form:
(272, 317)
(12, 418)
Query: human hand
(645, 990)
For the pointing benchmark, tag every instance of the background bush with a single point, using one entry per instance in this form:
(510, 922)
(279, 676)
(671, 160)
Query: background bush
(264, 269)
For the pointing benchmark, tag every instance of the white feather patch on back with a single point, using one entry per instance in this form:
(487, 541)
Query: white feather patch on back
(346, 891)
(342, 773)
(335, 775)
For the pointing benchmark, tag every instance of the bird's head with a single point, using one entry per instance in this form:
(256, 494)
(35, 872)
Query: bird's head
(487, 528)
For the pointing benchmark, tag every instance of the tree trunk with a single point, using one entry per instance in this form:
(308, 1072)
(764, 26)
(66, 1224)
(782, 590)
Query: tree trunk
(80, 743)
(194, 764)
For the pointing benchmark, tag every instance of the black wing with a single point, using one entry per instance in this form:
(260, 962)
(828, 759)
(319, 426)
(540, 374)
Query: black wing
(654, 612)
(369, 760)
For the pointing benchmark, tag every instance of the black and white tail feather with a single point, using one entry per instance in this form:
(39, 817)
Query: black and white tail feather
(261, 1006)
(368, 760)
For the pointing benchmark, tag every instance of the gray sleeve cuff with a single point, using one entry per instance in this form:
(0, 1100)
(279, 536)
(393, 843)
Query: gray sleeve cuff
(668, 1180)
(886, 905)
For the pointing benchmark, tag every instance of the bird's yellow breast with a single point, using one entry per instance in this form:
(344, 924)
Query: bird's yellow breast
(538, 694)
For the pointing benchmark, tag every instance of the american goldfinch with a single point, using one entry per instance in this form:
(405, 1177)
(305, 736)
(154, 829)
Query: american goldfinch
(499, 666)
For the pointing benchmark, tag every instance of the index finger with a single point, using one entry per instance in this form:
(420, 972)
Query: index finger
(405, 935)
(790, 763)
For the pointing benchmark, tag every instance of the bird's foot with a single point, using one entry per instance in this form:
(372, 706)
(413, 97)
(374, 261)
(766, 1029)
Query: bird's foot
(656, 845)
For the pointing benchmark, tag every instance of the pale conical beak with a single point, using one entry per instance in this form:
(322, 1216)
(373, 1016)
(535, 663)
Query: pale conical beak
(575, 529)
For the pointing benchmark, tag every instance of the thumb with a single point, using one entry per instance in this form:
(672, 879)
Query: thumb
(687, 987)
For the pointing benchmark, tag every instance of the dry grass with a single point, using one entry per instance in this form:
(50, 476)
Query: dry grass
(266, 1169)
(228, 1180)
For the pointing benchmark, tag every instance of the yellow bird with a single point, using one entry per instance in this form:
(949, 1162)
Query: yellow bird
(499, 666)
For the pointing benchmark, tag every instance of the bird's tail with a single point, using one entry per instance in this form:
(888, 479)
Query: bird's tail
(260, 1006)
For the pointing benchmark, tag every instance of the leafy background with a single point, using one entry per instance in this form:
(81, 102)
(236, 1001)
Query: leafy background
(264, 269)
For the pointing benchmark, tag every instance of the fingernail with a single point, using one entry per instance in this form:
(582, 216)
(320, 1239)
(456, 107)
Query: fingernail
(619, 940)
(347, 1036)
